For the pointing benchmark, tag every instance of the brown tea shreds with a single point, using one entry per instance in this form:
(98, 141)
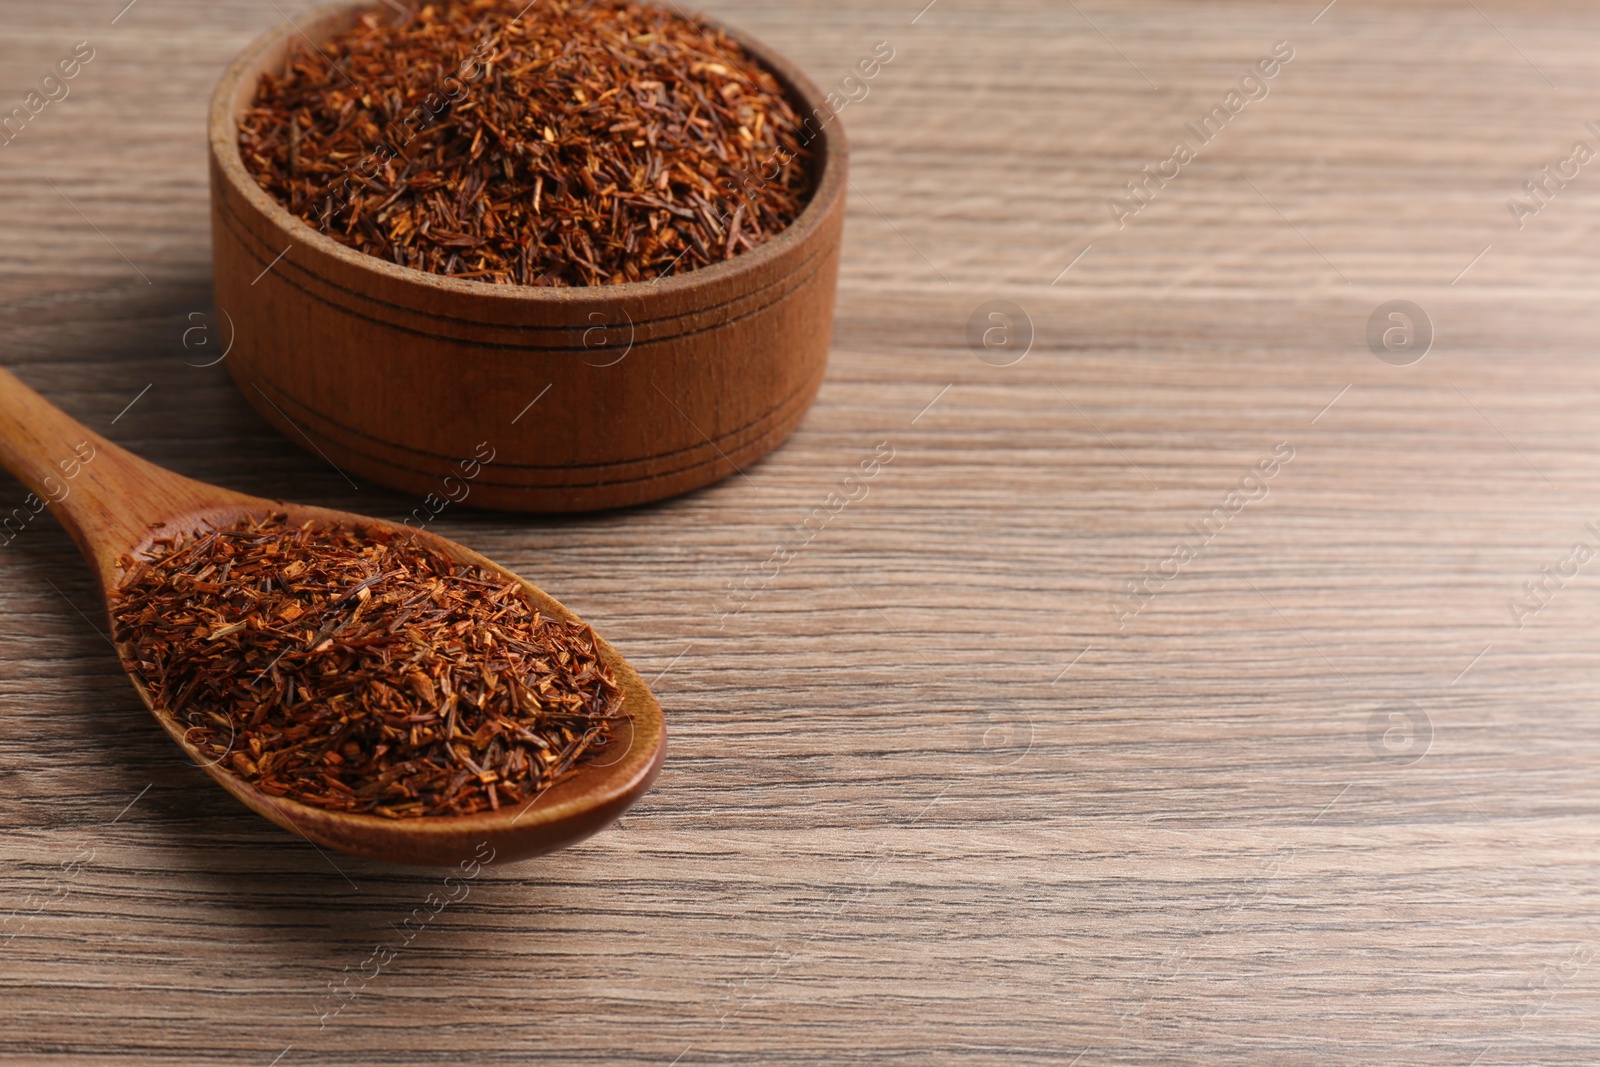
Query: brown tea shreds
(554, 143)
(357, 670)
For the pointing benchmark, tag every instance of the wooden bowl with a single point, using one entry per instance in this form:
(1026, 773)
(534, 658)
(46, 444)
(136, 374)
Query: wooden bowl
(519, 397)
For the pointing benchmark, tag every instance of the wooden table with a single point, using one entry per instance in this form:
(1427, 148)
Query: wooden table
(941, 791)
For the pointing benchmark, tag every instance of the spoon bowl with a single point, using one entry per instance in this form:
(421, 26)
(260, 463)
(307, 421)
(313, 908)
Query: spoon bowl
(115, 504)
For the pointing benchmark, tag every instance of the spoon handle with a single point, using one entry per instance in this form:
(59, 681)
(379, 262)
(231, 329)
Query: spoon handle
(103, 495)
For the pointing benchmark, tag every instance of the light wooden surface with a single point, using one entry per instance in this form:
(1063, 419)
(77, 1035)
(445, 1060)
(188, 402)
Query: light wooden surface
(894, 826)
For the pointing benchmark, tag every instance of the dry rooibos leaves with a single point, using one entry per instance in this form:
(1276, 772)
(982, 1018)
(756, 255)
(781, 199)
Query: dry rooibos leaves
(570, 144)
(358, 670)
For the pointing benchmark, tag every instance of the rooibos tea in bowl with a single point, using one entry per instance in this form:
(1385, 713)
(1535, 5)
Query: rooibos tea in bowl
(557, 257)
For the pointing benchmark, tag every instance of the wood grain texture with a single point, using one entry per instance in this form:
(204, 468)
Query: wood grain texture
(926, 801)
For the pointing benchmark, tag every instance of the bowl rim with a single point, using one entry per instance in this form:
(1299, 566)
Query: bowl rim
(831, 148)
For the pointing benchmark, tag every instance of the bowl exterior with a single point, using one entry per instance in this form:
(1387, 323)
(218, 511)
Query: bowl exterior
(512, 397)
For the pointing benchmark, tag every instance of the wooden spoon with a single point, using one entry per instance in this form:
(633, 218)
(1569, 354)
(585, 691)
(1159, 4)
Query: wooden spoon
(116, 504)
